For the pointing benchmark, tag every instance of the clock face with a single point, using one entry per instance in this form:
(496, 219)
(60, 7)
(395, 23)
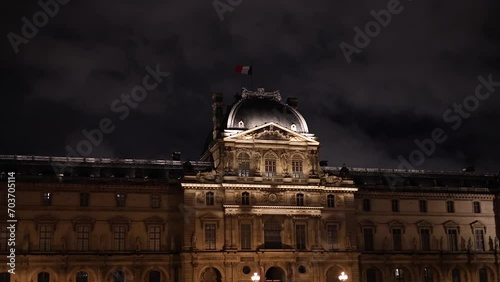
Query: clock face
(273, 197)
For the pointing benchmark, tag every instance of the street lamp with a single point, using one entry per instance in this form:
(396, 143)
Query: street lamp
(255, 277)
(343, 276)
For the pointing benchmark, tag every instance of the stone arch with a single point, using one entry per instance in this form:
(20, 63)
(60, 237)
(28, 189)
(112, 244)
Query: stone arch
(490, 272)
(164, 272)
(34, 274)
(406, 273)
(129, 275)
(211, 274)
(92, 275)
(464, 273)
(332, 273)
(437, 274)
(275, 273)
(371, 274)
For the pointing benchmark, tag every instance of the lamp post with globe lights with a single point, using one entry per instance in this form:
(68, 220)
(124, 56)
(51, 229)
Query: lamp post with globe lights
(255, 277)
(343, 277)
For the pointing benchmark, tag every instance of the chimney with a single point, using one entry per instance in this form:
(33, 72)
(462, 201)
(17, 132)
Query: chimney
(217, 114)
(293, 102)
(176, 156)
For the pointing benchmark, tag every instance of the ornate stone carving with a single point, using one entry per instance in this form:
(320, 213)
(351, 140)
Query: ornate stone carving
(237, 198)
(200, 198)
(260, 93)
(257, 161)
(218, 198)
(228, 159)
(284, 162)
(331, 179)
(206, 176)
(273, 197)
(271, 135)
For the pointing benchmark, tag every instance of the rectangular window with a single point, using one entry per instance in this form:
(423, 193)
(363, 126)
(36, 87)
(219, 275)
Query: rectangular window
(450, 206)
(368, 238)
(155, 201)
(425, 239)
(246, 236)
(244, 165)
(270, 168)
(452, 240)
(367, 206)
(47, 199)
(154, 235)
(297, 169)
(245, 198)
(120, 200)
(396, 239)
(119, 233)
(422, 205)
(84, 199)
(479, 238)
(82, 237)
(3, 238)
(477, 207)
(299, 199)
(210, 236)
(209, 198)
(330, 201)
(300, 236)
(395, 205)
(332, 236)
(45, 237)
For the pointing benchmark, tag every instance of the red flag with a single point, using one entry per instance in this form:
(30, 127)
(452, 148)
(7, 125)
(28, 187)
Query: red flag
(244, 69)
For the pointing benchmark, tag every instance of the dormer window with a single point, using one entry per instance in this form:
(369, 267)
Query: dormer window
(241, 124)
(293, 127)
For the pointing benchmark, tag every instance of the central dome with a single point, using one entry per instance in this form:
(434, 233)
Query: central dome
(260, 107)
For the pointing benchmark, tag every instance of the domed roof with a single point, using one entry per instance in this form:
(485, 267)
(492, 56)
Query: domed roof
(259, 107)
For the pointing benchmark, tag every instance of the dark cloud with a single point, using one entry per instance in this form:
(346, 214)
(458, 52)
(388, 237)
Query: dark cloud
(365, 113)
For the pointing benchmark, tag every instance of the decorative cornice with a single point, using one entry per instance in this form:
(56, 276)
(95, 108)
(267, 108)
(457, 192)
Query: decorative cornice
(272, 210)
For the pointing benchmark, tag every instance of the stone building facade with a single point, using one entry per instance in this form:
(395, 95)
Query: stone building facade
(259, 201)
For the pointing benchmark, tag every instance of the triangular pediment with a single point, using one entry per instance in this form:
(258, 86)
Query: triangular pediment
(271, 131)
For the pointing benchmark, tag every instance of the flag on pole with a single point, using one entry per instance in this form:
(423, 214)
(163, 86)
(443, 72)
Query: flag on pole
(244, 69)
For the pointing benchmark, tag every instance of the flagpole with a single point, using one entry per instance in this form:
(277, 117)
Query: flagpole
(251, 75)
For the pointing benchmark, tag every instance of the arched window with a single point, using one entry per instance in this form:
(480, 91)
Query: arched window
(299, 198)
(297, 167)
(243, 165)
(118, 276)
(209, 198)
(399, 275)
(371, 275)
(5, 277)
(455, 274)
(428, 275)
(245, 198)
(272, 234)
(270, 166)
(483, 275)
(154, 276)
(82, 276)
(330, 200)
(43, 277)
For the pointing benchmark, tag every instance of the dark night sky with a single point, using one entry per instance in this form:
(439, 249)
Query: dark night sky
(365, 113)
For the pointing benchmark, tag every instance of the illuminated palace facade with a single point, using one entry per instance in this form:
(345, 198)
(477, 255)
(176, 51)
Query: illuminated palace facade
(259, 201)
